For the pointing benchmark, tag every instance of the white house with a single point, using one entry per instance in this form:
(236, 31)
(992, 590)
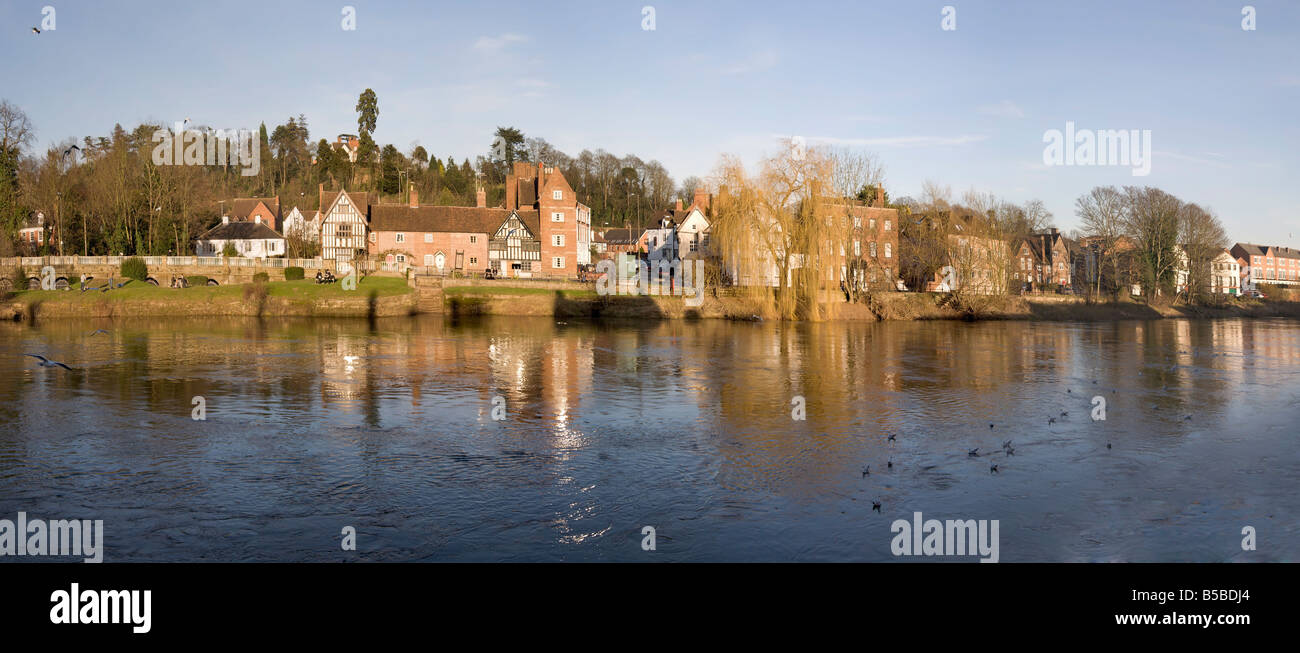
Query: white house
(251, 239)
(297, 224)
(693, 233)
(1225, 274)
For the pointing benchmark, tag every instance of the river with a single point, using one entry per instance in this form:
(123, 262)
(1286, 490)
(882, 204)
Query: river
(388, 427)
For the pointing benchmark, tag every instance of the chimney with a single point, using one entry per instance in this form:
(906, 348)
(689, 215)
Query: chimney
(512, 191)
(415, 197)
(701, 199)
(481, 197)
(679, 204)
(880, 195)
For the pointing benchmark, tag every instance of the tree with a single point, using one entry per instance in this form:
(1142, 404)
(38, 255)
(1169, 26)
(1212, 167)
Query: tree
(1203, 238)
(367, 112)
(1151, 217)
(1101, 214)
(511, 149)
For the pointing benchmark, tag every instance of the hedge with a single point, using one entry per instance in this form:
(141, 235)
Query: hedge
(134, 268)
(196, 280)
(261, 277)
(293, 274)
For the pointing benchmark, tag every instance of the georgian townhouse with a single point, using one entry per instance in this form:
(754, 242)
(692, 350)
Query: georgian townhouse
(867, 255)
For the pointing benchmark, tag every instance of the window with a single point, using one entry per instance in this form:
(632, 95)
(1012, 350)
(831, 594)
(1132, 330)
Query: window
(557, 194)
(857, 222)
(889, 250)
(873, 250)
(344, 230)
(428, 260)
(558, 261)
(473, 239)
(401, 258)
(857, 248)
(871, 223)
(428, 238)
(559, 240)
(401, 237)
(558, 216)
(473, 260)
(887, 225)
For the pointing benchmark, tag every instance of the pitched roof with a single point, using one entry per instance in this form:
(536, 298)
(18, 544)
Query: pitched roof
(446, 219)
(240, 230)
(361, 199)
(620, 236)
(241, 207)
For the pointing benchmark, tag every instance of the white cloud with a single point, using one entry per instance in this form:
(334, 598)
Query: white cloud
(494, 43)
(1003, 109)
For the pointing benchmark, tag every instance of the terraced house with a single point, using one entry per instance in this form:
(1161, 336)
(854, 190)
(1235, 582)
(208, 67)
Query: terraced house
(1267, 264)
(542, 231)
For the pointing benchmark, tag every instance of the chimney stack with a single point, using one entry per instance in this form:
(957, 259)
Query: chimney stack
(701, 199)
(679, 204)
(880, 194)
(481, 196)
(415, 197)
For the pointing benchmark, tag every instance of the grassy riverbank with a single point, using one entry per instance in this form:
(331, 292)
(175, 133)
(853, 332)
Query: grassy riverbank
(374, 296)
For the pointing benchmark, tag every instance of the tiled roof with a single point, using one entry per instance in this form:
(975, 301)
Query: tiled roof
(620, 236)
(446, 219)
(240, 230)
(241, 207)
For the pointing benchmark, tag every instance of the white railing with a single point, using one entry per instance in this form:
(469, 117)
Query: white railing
(234, 261)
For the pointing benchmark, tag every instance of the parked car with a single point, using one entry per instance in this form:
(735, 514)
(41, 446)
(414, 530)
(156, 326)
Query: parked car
(1064, 290)
(1256, 294)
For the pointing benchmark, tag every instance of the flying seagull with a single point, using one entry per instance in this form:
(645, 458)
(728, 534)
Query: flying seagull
(974, 453)
(70, 149)
(35, 31)
(45, 362)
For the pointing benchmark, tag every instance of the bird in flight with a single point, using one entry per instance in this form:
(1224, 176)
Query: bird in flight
(45, 362)
(35, 31)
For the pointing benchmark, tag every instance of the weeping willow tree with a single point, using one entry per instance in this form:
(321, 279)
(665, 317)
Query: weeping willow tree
(779, 236)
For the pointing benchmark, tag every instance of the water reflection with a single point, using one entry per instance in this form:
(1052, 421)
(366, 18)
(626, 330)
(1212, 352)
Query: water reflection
(313, 425)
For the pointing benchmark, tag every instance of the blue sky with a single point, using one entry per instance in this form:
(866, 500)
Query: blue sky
(967, 108)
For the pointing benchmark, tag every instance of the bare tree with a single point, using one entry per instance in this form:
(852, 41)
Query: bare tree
(1101, 213)
(1151, 217)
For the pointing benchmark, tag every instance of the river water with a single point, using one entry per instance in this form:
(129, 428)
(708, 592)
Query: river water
(686, 426)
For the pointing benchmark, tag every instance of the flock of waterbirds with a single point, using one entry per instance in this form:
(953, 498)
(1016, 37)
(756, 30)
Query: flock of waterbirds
(1007, 449)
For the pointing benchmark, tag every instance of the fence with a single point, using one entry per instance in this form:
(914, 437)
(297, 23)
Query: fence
(155, 261)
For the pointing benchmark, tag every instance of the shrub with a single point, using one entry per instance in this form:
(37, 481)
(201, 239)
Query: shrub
(293, 274)
(229, 250)
(261, 277)
(196, 280)
(134, 268)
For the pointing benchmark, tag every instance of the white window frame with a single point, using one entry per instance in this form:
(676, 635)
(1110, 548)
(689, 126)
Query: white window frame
(558, 240)
(557, 216)
(557, 262)
(428, 238)
(557, 194)
(401, 237)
